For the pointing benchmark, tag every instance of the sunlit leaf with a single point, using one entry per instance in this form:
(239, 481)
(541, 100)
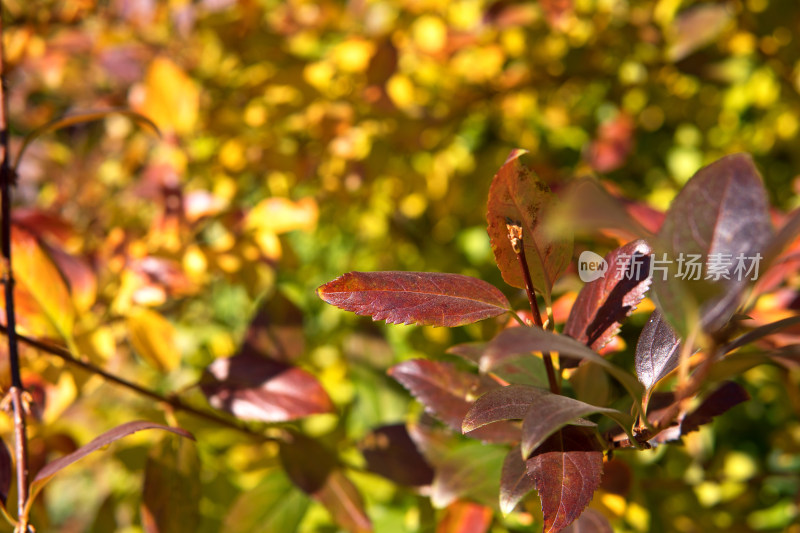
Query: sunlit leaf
(657, 351)
(37, 274)
(427, 298)
(566, 470)
(390, 452)
(279, 215)
(54, 467)
(447, 393)
(465, 517)
(604, 303)
(172, 490)
(517, 195)
(720, 217)
(272, 505)
(252, 387)
(153, 338)
(512, 342)
(695, 28)
(168, 97)
(81, 280)
(515, 482)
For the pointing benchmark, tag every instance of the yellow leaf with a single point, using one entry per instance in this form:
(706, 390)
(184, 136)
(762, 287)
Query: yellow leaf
(279, 215)
(153, 338)
(168, 97)
(37, 275)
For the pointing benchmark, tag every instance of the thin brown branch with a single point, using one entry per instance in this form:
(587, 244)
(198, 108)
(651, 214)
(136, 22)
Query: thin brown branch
(15, 392)
(175, 403)
(518, 245)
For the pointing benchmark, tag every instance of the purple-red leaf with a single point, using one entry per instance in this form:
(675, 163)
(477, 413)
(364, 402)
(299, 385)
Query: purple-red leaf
(605, 302)
(657, 351)
(172, 490)
(520, 370)
(448, 393)
(313, 468)
(251, 387)
(566, 470)
(5, 471)
(390, 452)
(721, 219)
(427, 298)
(760, 332)
(513, 342)
(465, 517)
(516, 194)
(52, 468)
(590, 521)
(515, 482)
(725, 397)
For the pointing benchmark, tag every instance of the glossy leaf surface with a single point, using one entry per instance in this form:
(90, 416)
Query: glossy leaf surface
(469, 470)
(172, 489)
(605, 302)
(657, 351)
(517, 195)
(251, 387)
(719, 216)
(566, 470)
(427, 298)
(448, 393)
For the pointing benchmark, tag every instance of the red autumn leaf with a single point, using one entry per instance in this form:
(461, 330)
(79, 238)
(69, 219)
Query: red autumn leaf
(427, 298)
(252, 387)
(465, 517)
(517, 195)
(448, 393)
(542, 412)
(657, 351)
(515, 482)
(605, 302)
(566, 470)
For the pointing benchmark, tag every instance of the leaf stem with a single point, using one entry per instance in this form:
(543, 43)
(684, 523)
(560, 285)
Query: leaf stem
(517, 244)
(171, 401)
(15, 392)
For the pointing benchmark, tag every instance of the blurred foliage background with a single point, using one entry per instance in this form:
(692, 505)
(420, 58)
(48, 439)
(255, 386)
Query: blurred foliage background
(302, 140)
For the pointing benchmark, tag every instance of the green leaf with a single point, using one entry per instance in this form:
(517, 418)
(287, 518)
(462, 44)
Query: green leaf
(273, 505)
(171, 495)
